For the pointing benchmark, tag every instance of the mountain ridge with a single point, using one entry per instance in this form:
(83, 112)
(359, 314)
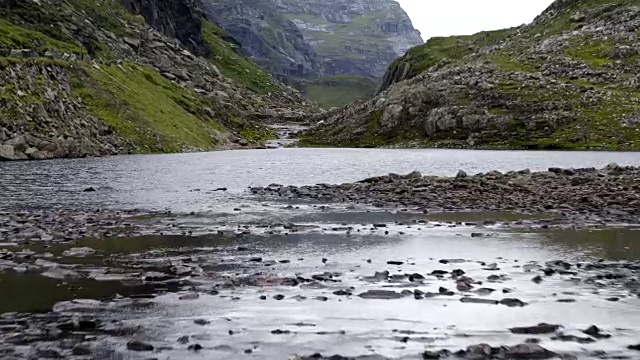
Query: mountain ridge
(302, 42)
(568, 80)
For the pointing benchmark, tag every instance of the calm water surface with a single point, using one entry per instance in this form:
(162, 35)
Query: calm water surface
(185, 182)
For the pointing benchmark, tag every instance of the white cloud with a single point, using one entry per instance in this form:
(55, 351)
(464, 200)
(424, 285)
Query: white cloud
(465, 17)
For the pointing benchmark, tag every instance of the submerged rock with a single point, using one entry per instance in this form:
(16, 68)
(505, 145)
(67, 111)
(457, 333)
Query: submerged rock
(472, 300)
(541, 328)
(596, 332)
(512, 302)
(381, 295)
(138, 345)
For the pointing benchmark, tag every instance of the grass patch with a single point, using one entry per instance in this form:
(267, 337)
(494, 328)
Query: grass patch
(594, 53)
(233, 65)
(17, 37)
(337, 91)
(144, 107)
(108, 14)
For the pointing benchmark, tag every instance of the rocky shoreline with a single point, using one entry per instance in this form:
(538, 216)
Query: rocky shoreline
(611, 194)
(110, 269)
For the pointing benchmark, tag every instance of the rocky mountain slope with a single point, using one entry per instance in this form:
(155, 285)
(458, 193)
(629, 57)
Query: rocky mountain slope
(569, 80)
(301, 41)
(98, 77)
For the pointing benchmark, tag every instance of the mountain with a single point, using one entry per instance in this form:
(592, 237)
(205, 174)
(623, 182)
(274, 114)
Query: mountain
(350, 42)
(98, 77)
(568, 80)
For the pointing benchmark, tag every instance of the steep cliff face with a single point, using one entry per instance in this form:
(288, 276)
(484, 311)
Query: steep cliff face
(353, 37)
(267, 37)
(98, 77)
(303, 41)
(569, 80)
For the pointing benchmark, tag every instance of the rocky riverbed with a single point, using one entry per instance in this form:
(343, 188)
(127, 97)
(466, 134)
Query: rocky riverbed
(514, 265)
(610, 194)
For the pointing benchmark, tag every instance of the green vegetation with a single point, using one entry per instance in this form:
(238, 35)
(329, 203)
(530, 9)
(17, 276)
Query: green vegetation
(339, 90)
(233, 65)
(144, 107)
(421, 58)
(107, 14)
(17, 37)
(596, 53)
(564, 20)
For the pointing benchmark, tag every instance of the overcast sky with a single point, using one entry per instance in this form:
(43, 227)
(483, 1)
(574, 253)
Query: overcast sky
(465, 17)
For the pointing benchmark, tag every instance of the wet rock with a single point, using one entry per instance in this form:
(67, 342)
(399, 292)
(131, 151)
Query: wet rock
(78, 252)
(82, 349)
(512, 302)
(457, 272)
(433, 355)
(138, 345)
(78, 325)
(445, 291)
(541, 328)
(280, 332)
(194, 347)
(61, 274)
(89, 189)
(537, 279)
(342, 293)
(566, 300)
(381, 295)
(451, 261)
(484, 291)
(634, 347)
(528, 352)
(472, 300)
(201, 322)
(439, 273)
(49, 353)
(573, 338)
(595, 332)
(183, 339)
(482, 350)
(223, 348)
(190, 296)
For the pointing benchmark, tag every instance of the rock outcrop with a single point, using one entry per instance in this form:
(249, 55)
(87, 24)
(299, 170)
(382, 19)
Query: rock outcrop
(304, 40)
(569, 80)
(81, 78)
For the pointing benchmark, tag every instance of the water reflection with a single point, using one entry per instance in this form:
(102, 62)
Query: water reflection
(609, 243)
(34, 293)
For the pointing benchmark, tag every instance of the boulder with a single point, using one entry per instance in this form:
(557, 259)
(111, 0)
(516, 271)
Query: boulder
(19, 143)
(7, 153)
